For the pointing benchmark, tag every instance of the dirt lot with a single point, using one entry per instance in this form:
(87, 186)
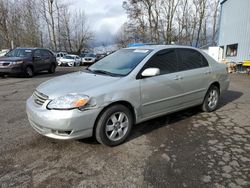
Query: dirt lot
(185, 149)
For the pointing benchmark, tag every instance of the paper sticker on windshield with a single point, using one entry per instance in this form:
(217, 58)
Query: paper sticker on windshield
(141, 51)
(27, 50)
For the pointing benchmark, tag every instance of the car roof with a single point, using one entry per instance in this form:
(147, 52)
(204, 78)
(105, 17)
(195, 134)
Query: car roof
(159, 47)
(31, 48)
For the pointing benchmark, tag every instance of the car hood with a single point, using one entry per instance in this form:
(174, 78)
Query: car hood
(78, 82)
(4, 58)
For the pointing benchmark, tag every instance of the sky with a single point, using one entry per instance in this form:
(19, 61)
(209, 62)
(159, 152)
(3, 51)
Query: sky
(105, 17)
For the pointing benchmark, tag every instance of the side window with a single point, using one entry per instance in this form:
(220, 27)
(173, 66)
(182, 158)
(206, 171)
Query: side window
(37, 53)
(165, 60)
(45, 53)
(191, 59)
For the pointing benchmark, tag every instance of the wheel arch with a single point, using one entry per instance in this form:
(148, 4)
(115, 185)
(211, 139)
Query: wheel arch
(121, 102)
(216, 84)
(29, 65)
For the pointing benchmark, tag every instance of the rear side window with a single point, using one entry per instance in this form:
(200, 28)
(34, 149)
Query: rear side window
(190, 59)
(165, 60)
(37, 53)
(46, 53)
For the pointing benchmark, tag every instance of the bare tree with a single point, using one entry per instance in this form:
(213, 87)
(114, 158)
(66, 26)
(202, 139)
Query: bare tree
(181, 21)
(80, 32)
(215, 8)
(201, 8)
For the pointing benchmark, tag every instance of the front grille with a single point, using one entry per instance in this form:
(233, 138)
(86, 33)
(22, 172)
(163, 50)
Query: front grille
(6, 64)
(39, 98)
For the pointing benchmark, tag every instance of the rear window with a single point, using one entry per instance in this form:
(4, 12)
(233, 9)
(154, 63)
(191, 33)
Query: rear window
(191, 59)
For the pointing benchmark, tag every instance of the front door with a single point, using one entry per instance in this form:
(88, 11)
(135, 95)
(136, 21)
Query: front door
(160, 94)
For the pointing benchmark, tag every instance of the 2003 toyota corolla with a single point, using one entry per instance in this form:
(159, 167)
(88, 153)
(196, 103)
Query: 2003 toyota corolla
(129, 86)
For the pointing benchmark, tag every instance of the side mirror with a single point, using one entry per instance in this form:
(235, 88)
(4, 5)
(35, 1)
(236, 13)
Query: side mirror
(149, 72)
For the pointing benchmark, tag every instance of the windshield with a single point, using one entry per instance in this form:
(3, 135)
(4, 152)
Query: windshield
(120, 62)
(19, 53)
(68, 57)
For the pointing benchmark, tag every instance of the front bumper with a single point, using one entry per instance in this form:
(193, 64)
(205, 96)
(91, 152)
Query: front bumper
(61, 124)
(11, 70)
(88, 61)
(70, 64)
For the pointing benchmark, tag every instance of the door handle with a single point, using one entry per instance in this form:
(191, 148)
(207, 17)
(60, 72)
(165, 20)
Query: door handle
(207, 72)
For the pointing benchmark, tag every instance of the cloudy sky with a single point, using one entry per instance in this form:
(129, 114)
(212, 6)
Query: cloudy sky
(104, 17)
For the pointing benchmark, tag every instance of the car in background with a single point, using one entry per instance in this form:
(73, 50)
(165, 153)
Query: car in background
(60, 55)
(127, 87)
(70, 60)
(27, 61)
(89, 58)
(99, 56)
(3, 52)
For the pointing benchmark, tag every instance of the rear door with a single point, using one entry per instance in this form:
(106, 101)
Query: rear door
(38, 61)
(160, 94)
(46, 56)
(194, 75)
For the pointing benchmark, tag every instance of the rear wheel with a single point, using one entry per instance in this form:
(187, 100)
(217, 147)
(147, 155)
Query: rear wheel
(114, 125)
(28, 72)
(211, 100)
(52, 68)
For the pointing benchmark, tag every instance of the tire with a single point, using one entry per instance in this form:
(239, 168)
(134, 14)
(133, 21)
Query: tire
(211, 100)
(28, 72)
(52, 69)
(114, 125)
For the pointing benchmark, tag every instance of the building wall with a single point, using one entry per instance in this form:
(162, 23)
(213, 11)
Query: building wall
(235, 28)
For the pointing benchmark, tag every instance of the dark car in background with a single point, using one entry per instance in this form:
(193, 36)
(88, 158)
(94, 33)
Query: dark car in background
(27, 62)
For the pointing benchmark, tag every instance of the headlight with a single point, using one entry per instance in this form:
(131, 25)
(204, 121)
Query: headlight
(69, 101)
(17, 62)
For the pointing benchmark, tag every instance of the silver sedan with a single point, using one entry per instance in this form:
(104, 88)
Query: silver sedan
(127, 87)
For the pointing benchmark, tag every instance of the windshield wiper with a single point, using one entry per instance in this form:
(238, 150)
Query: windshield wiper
(104, 72)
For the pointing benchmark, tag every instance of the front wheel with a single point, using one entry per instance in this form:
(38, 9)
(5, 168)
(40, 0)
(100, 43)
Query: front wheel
(211, 100)
(28, 72)
(114, 125)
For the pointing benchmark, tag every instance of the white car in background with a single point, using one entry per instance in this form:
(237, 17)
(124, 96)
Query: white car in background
(89, 58)
(70, 60)
(60, 55)
(3, 52)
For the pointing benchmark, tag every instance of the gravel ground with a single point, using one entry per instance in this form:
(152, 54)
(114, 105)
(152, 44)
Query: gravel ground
(184, 149)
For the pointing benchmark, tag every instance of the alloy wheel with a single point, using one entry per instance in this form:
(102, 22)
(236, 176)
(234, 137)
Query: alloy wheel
(117, 126)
